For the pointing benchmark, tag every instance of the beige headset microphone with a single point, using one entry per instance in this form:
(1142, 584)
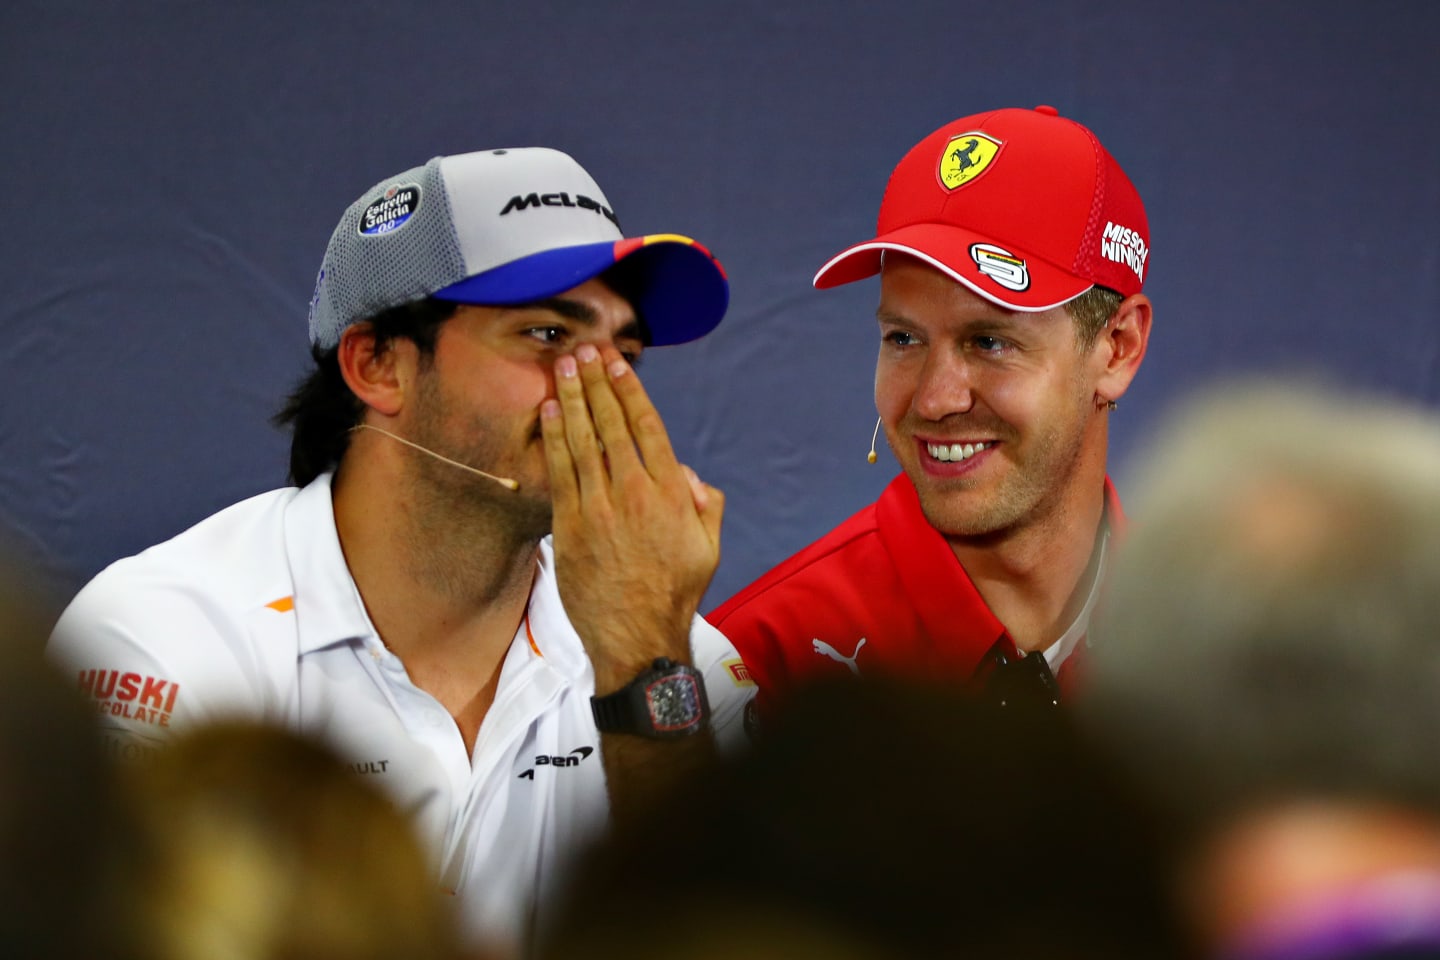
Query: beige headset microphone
(503, 481)
(872, 458)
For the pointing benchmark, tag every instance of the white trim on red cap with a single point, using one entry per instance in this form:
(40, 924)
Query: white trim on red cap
(883, 245)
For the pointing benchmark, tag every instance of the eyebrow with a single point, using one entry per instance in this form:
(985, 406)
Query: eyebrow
(582, 314)
(1003, 320)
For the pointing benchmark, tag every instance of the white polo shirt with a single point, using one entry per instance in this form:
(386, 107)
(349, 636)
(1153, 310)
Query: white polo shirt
(253, 613)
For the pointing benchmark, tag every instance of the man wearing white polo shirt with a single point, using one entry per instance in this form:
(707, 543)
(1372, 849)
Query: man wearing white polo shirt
(473, 324)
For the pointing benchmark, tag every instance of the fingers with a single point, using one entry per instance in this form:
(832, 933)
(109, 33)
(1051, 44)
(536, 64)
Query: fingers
(578, 430)
(601, 399)
(596, 371)
(642, 418)
(564, 489)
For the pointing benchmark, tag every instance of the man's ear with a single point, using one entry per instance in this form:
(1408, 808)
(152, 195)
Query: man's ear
(378, 377)
(1121, 346)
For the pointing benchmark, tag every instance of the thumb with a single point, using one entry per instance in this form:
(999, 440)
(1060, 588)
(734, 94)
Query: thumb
(699, 490)
(712, 513)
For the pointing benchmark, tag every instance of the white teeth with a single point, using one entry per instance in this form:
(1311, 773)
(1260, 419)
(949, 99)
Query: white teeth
(954, 452)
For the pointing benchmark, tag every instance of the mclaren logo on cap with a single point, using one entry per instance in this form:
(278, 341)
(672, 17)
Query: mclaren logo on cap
(390, 212)
(1001, 265)
(966, 157)
(560, 199)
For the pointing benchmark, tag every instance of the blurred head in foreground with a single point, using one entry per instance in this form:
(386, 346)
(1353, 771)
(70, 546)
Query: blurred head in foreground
(1267, 664)
(878, 821)
(261, 845)
(60, 860)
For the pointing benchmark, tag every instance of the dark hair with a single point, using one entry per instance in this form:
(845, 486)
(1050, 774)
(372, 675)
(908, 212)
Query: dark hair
(629, 281)
(899, 819)
(322, 410)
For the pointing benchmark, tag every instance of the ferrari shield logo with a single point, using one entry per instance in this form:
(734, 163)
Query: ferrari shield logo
(966, 157)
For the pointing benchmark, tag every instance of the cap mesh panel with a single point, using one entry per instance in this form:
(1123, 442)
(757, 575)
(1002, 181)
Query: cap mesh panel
(363, 275)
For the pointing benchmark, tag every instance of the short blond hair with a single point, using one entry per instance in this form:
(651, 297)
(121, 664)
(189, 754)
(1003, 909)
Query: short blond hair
(1091, 311)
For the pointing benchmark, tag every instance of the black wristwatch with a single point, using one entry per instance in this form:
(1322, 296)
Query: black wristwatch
(665, 702)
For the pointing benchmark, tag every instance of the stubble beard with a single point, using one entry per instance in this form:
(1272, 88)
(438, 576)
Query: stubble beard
(1032, 487)
(456, 500)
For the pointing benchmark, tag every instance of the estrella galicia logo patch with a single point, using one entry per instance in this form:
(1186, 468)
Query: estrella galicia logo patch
(391, 211)
(966, 157)
(1001, 265)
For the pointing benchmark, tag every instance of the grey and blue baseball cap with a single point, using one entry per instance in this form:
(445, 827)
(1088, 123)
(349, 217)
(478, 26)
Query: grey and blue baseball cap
(500, 228)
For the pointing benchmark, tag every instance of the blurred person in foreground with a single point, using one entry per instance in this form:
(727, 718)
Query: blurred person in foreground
(63, 838)
(1267, 666)
(881, 820)
(1011, 250)
(258, 844)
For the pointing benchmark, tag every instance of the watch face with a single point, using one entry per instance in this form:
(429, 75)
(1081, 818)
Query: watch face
(674, 702)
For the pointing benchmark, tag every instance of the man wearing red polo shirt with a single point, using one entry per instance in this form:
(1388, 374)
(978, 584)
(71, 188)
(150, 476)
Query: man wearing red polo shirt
(1011, 250)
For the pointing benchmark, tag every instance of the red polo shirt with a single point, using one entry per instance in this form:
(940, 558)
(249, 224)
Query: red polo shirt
(884, 577)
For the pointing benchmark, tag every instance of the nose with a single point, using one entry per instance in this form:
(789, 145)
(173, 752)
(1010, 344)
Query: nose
(597, 338)
(946, 386)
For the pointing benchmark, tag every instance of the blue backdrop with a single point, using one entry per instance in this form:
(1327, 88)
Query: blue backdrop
(173, 170)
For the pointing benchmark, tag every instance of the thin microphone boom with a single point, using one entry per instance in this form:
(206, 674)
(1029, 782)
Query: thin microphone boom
(872, 458)
(503, 481)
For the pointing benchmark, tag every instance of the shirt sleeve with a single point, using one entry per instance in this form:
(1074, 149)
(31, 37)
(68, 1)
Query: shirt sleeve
(758, 645)
(728, 684)
(151, 658)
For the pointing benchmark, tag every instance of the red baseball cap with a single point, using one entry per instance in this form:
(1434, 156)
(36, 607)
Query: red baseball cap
(1024, 207)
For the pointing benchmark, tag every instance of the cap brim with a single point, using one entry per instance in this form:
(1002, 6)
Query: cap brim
(1000, 273)
(680, 289)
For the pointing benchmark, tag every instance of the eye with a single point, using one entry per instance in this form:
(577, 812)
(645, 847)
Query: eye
(631, 349)
(899, 338)
(549, 334)
(988, 344)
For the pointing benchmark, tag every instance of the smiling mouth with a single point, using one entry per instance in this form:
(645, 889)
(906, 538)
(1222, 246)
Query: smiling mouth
(955, 452)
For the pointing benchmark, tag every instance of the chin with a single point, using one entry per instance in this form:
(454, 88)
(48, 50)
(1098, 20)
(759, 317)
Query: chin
(956, 513)
(966, 527)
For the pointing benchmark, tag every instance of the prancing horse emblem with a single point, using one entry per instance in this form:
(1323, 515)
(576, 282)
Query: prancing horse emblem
(822, 647)
(965, 157)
